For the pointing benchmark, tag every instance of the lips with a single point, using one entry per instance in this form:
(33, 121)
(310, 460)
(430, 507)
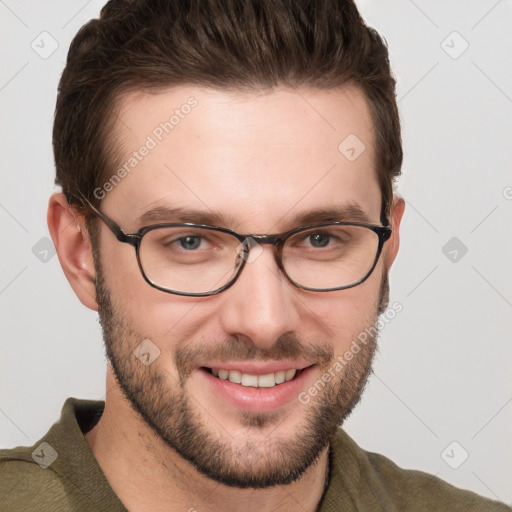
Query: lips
(267, 380)
(255, 386)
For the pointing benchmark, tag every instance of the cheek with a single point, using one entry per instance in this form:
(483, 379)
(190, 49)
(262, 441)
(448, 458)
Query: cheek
(345, 314)
(163, 317)
(166, 319)
(143, 306)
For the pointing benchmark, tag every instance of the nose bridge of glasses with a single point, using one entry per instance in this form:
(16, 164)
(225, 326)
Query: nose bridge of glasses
(255, 241)
(252, 248)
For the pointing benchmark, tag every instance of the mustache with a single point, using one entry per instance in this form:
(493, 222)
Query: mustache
(287, 346)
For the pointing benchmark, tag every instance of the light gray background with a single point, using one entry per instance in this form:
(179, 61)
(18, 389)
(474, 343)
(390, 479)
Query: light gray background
(442, 374)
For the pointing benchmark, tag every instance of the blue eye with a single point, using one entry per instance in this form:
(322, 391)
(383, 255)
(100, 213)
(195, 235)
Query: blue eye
(319, 239)
(189, 243)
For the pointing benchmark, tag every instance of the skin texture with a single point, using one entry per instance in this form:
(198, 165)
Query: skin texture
(166, 440)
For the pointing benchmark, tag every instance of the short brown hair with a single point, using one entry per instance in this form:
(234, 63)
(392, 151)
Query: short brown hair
(152, 45)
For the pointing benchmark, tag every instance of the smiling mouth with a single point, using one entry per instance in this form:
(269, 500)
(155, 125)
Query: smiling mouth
(268, 380)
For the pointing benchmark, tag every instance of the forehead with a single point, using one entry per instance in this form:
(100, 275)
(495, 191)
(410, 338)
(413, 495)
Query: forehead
(258, 158)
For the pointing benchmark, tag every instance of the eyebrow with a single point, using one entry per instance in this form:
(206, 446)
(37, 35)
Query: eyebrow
(350, 212)
(167, 214)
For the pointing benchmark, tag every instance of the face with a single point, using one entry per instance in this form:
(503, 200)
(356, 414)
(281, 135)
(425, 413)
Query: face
(256, 162)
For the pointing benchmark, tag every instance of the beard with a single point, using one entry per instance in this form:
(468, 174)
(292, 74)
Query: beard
(173, 414)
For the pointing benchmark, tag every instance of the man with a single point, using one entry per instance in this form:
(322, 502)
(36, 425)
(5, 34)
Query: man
(246, 151)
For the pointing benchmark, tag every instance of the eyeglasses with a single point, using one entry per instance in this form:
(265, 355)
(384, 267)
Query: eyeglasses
(198, 260)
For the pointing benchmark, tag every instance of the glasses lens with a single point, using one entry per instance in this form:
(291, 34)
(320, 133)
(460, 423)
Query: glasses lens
(189, 259)
(330, 256)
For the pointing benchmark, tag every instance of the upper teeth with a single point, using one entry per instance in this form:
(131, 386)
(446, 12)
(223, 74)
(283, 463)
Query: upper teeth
(257, 381)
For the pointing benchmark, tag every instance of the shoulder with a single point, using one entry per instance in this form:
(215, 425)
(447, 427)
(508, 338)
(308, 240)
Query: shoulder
(406, 489)
(28, 485)
(52, 473)
(412, 488)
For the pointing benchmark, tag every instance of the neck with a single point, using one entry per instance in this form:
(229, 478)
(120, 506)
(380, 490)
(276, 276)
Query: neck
(146, 474)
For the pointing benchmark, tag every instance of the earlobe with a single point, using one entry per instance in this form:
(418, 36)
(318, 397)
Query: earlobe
(393, 244)
(73, 247)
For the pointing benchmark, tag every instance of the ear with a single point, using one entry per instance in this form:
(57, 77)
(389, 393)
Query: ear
(71, 240)
(392, 245)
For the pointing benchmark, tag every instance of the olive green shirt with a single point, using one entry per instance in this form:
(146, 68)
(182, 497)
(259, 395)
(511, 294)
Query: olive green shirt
(60, 473)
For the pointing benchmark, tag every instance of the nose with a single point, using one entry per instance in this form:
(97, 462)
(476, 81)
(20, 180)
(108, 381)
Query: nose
(261, 304)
